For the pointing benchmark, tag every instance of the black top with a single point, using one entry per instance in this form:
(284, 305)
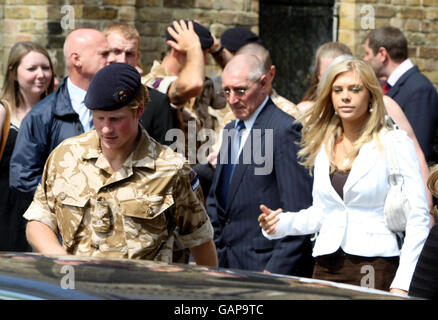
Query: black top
(158, 116)
(12, 223)
(338, 179)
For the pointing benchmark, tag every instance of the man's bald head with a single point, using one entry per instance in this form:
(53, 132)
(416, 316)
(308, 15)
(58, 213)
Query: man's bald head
(263, 54)
(85, 53)
(246, 64)
(259, 51)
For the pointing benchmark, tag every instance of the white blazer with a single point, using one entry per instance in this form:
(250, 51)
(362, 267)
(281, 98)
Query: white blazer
(356, 224)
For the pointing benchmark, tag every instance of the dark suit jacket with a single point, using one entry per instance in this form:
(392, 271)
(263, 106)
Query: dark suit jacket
(158, 117)
(239, 240)
(424, 282)
(418, 98)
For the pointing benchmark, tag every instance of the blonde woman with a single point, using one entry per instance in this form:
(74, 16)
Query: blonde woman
(344, 141)
(325, 54)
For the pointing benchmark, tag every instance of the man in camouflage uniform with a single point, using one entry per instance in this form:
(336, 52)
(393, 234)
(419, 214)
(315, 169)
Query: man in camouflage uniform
(114, 192)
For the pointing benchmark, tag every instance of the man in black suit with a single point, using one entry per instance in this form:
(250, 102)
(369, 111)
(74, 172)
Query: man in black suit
(262, 141)
(387, 51)
(124, 44)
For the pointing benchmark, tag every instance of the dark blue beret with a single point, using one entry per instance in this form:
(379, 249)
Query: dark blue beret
(203, 33)
(112, 87)
(234, 38)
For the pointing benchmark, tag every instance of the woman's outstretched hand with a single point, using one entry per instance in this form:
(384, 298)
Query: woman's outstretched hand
(268, 219)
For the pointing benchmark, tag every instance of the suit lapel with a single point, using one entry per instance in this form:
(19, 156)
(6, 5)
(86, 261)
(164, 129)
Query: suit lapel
(222, 157)
(236, 179)
(364, 162)
(400, 82)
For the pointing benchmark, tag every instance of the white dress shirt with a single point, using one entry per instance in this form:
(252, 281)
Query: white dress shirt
(77, 96)
(245, 132)
(399, 71)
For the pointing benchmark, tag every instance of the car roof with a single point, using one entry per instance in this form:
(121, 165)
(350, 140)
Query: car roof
(32, 276)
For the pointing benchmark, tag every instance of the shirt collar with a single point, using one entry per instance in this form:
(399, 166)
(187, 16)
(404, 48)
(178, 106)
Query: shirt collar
(399, 71)
(250, 121)
(144, 154)
(77, 95)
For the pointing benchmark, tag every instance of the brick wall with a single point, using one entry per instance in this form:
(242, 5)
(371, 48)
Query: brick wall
(43, 20)
(48, 21)
(418, 19)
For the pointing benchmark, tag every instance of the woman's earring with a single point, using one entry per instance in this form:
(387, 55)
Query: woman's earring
(370, 107)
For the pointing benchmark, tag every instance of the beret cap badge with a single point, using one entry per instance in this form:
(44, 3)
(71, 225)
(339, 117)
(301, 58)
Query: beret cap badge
(122, 95)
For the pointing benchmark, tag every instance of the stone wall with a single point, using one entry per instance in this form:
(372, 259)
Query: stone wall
(418, 19)
(49, 21)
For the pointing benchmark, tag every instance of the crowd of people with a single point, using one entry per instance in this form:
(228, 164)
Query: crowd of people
(95, 165)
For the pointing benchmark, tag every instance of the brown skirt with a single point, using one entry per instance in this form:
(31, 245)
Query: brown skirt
(371, 272)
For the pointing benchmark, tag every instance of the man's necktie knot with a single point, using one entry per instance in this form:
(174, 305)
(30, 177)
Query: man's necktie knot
(240, 125)
(386, 87)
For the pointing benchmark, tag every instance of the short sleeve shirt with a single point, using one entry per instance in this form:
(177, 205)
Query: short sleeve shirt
(129, 213)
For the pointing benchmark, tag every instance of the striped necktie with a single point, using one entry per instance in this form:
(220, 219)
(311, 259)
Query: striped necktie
(228, 168)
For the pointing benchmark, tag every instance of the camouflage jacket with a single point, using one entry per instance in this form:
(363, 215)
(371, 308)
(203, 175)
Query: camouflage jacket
(133, 212)
(195, 109)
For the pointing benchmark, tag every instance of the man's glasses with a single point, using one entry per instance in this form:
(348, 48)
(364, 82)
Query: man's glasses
(239, 92)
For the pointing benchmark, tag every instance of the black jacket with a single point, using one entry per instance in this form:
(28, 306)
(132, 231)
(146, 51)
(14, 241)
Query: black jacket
(418, 99)
(158, 117)
(283, 183)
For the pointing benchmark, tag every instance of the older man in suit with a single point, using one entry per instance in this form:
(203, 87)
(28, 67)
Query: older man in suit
(257, 162)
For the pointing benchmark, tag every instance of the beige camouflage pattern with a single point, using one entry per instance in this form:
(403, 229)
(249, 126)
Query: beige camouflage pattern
(157, 71)
(133, 212)
(287, 106)
(196, 109)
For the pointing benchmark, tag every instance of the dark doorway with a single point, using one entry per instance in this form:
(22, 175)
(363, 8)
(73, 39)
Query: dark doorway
(293, 30)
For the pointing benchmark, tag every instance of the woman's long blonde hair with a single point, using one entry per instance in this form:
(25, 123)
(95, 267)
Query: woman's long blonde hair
(321, 126)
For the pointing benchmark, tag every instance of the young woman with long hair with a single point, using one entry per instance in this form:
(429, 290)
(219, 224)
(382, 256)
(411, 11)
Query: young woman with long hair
(344, 141)
(29, 78)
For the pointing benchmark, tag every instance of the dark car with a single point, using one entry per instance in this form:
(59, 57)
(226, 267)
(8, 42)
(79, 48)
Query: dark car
(33, 276)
